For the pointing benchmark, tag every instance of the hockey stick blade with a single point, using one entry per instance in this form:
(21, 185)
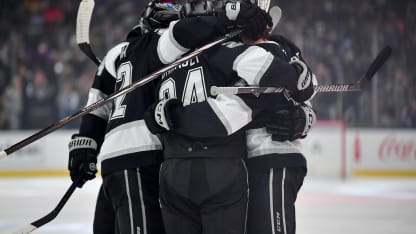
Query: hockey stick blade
(84, 15)
(276, 13)
(86, 48)
(51, 215)
(377, 63)
(359, 85)
(129, 88)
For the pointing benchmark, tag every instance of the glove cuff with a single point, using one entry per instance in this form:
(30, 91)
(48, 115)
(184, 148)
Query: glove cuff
(80, 142)
(310, 118)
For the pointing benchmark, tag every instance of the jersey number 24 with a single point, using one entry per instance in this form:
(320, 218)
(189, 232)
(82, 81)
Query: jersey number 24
(194, 89)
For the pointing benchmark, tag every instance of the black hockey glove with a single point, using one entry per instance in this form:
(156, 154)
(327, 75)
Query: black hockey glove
(306, 82)
(291, 123)
(157, 116)
(247, 16)
(82, 158)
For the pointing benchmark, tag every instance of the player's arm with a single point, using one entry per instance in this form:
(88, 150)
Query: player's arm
(259, 67)
(216, 117)
(294, 56)
(85, 145)
(193, 32)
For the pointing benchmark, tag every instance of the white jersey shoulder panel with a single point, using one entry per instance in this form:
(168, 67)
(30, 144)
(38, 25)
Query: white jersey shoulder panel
(168, 48)
(252, 64)
(111, 56)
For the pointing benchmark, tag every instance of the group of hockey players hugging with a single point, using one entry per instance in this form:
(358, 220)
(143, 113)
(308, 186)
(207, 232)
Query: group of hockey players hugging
(176, 159)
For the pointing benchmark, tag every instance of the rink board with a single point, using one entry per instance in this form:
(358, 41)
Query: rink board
(331, 150)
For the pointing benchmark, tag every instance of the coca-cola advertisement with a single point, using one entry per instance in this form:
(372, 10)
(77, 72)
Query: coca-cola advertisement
(384, 150)
(397, 148)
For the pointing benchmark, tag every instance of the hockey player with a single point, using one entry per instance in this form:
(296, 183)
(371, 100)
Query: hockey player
(203, 187)
(275, 161)
(128, 198)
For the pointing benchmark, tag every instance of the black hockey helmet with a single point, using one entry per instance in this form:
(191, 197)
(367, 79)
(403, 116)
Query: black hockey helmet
(158, 14)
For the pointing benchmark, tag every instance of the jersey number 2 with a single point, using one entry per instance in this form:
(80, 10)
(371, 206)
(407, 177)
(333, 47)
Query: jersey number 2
(124, 74)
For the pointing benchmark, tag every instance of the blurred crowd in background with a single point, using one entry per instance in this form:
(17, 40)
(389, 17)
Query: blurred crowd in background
(44, 76)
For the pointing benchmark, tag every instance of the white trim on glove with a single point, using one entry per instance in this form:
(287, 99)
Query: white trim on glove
(232, 9)
(80, 142)
(160, 115)
(310, 117)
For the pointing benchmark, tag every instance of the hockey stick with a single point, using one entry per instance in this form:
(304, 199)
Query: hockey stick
(112, 96)
(359, 85)
(85, 10)
(51, 215)
(276, 13)
(264, 4)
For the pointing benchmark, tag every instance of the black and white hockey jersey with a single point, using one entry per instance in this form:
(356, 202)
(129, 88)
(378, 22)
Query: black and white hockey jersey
(212, 126)
(119, 126)
(262, 151)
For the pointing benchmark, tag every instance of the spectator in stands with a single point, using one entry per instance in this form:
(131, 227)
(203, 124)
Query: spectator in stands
(340, 39)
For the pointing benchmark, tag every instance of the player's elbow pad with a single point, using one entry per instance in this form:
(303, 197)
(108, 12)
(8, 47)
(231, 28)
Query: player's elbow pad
(306, 82)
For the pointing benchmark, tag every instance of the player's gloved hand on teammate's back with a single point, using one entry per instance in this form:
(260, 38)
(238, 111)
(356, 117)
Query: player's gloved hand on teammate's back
(306, 82)
(82, 161)
(247, 16)
(291, 123)
(157, 116)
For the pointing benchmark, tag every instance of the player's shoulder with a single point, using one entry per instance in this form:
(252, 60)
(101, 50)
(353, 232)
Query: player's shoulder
(250, 49)
(112, 55)
(160, 31)
(274, 48)
(231, 49)
(254, 51)
(234, 45)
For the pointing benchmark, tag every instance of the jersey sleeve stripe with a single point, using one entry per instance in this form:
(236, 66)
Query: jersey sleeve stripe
(168, 49)
(252, 64)
(104, 111)
(129, 138)
(232, 111)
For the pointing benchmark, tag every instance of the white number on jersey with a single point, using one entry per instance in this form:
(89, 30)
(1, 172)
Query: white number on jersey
(194, 89)
(124, 74)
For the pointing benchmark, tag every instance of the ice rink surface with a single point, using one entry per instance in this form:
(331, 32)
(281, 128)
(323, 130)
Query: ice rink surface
(358, 206)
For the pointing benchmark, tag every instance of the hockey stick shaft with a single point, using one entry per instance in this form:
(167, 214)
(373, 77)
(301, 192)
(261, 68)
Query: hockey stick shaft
(377, 63)
(51, 215)
(215, 90)
(359, 85)
(111, 97)
(84, 15)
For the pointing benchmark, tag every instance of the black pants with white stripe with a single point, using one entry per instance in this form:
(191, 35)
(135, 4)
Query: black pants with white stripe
(128, 203)
(204, 195)
(273, 193)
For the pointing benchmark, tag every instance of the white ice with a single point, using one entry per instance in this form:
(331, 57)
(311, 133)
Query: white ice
(359, 206)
